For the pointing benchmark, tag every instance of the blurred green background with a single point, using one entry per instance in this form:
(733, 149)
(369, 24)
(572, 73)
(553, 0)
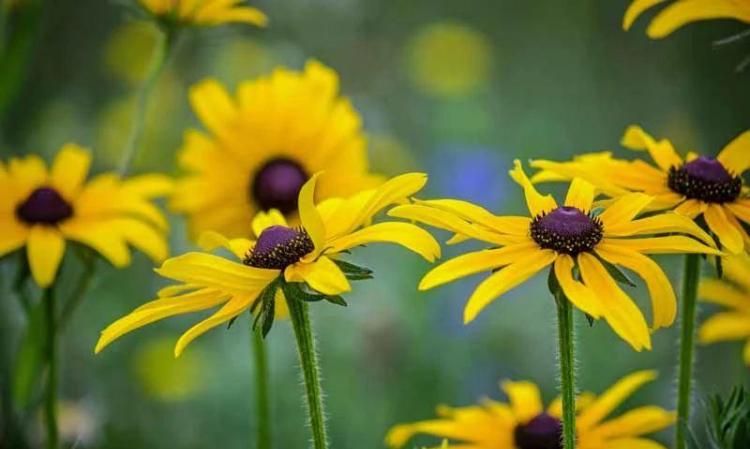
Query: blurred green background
(457, 89)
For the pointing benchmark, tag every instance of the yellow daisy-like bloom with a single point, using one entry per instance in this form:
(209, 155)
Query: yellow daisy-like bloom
(42, 208)
(204, 12)
(733, 292)
(262, 147)
(682, 12)
(694, 186)
(306, 256)
(525, 424)
(566, 237)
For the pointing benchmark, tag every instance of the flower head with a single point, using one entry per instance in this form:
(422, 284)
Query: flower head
(583, 246)
(204, 12)
(264, 145)
(697, 186)
(733, 293)
(305, 257)
(524, 423)
(43, 208)
(682, 12)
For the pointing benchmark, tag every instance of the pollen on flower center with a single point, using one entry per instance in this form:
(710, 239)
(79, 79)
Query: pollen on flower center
(567, 230)
(705, 179)
(45, 205)
(277, 183)
(542, 432)
(278, 247)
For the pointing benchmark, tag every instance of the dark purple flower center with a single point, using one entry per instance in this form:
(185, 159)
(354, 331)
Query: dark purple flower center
(45, 205)
(278, 247)
(567, 230)
(276, 185)
(542, 432)
(705, 179)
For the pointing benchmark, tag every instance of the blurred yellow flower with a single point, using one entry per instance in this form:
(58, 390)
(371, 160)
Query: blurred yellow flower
(43, 208)
(449, 59)
(204, 12)
(733, 292)
(282, 256)
(573, 240)
(525, 424)
(165, 378)
(683, 12)
(262, 147)
(693, 186)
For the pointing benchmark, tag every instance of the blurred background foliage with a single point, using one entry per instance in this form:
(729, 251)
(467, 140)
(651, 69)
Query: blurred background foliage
(458, 89)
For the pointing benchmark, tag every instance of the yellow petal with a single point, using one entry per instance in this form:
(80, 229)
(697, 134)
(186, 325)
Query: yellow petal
(308, 214)
(725, 327)
(45, 251)
(636, 8)
(580, 195)
(393, 191)
(581, 296)
(407, 235)
(729, 236)
(210, 240)
(212, 271)
(724, 294)
(536, 202)
(13, 235)
(618, 309)
(662, 152)
(736, 156)
(666, 223)
(582, 401)
(634, 443)
(683, 12)
(213, 105)
(69, 170)
(143, 237)
(28, 174)
(691, 208)
(607, 402)
(624, 209)
(323, 276)
(250, 16)
(101, 237)
(267, 219)
(673, 244)
(525, 400)
(479, 215)
(506, 279)
(636, 422)
(663, 298)
(231, 309)
(148, 186)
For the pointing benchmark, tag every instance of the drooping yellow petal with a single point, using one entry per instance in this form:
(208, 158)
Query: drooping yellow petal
(308, 213)
(662, 152)
(580, 295)
(506, 279)
(209, 241)
(735, 157)
(399, 435)
(580, 195)
(394, 190)
(607, 402)
(722, 293)
(148, 186)
(45, 250)
(636, 8)
(691, 208)
(725, 326)
(216, 272)
(682, 12)
(101, 237)
(265, 219)
(144, 237)
(536, 202)
(636, 422)
(322, 275)
(479, 215)
(407, 235)
(660, 224)
(624, 209)
(673, 244)
(525, 400)
(730, 237)
(69, 169)
(13, 235)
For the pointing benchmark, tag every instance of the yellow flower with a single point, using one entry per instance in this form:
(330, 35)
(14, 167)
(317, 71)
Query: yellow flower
(263, 146)
(733, 293)
(204, 12)
(682, 12)
(525, 424)
(43, 208)
(304, 257)
(694, 186)
(566, 237)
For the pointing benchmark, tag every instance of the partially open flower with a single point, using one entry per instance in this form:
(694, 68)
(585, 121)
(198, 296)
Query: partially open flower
(203, 12)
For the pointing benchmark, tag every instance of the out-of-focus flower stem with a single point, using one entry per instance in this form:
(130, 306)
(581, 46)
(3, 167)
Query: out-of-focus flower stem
(566, 337)
(263, 440)
(687, 348)
(50, 403)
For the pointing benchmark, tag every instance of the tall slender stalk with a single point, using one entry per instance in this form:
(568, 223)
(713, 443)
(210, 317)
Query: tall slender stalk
(565, 325)
(687, 348)
(263, 440)
(310, 370)
(164, 46)
(50, 402)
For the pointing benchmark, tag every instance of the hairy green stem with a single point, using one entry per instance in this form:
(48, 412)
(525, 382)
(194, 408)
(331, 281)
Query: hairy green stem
(565, 325)
(687, 348)
(310, 370)
(81, 288)
(263, 440)
(50, 403)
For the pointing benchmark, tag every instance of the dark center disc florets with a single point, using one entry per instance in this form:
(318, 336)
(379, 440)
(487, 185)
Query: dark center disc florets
(278, 247)
(705, 179)
(276, 185)
(46, 206)
(567, 230)
(542, 432)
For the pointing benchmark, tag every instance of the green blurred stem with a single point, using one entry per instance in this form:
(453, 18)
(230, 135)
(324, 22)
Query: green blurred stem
(82, 287)
(164, 46)
(565, 326)
(263, 440)
(310, 370)
(50, 403)
(687, 348)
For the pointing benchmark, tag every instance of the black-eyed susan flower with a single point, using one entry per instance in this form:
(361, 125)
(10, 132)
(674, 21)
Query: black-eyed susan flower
(682, 12)
(304, 258)
(204, 12)
(696, 185)
(733, 293)
(583, 247)
(43, 208)
(524, 423)
(263, 145)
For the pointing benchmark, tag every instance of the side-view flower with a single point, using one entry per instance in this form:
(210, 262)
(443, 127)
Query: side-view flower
(204, 12)
(682, 12)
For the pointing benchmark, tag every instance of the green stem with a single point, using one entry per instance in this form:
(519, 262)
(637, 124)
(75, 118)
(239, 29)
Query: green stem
(263, 411)
(565, 327)
(308, 359)
(84, 281)
(50, 408)
(687, 348)
(164, 46)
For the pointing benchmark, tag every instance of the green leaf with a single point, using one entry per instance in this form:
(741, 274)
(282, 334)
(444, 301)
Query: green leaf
(728, 421)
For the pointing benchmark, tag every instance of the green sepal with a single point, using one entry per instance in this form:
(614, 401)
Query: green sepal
(300, 294)
(620, 276)
(267, 302)
(354, 272)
